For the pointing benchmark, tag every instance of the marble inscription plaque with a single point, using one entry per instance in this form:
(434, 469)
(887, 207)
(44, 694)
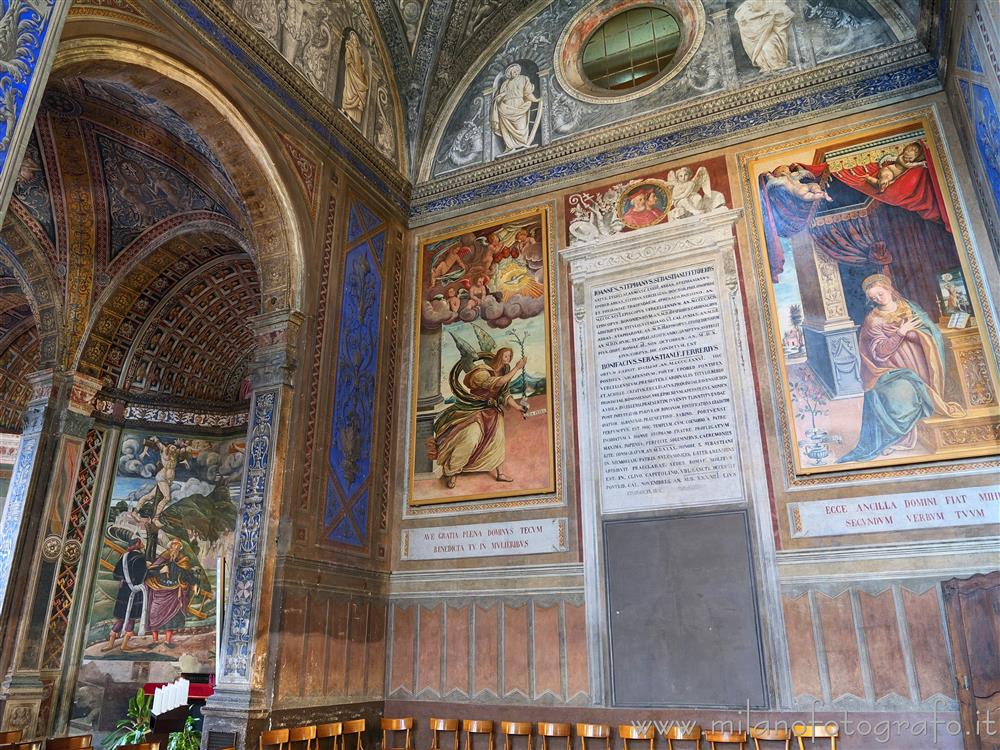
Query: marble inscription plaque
(978, 506)
(665, 406)
(485, 540)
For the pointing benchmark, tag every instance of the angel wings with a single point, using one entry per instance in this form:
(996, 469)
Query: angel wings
(469, 354)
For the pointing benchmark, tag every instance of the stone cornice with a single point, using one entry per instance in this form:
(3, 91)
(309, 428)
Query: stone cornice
(901, 71)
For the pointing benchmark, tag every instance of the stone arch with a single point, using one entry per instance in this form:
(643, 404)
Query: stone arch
(26, 260)
(275, 230)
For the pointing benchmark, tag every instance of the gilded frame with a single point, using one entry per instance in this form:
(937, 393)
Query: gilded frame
(505, 495)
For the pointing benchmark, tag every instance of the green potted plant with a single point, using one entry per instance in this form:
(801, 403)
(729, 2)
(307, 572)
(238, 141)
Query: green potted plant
(135, 726)
(186, 739)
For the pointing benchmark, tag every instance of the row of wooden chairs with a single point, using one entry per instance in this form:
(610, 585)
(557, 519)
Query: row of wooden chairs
(511, 730)
(11, 740)
(330, 736)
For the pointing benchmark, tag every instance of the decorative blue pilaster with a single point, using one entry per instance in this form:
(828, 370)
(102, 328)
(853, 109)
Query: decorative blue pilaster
(29, 33)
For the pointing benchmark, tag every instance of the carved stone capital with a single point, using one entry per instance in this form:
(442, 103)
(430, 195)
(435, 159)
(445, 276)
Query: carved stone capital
(82, 394)
(277, 335)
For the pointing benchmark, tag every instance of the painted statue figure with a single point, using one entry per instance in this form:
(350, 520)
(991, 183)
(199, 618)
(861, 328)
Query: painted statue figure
(763, 28)
(510, 113)
(902, 365)
(355, 92)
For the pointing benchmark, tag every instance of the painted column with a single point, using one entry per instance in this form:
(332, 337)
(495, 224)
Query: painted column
(428, 397)
(33, 541)
(830, 333)
(240, 703)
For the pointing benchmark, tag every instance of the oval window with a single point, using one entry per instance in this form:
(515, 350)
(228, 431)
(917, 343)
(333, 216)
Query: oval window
(631, 49)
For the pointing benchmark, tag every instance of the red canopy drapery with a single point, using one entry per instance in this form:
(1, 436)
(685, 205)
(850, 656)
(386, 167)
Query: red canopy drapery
(916, 190)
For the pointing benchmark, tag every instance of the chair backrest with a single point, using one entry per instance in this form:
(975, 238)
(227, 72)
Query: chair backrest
(141, 746)
(597, 731)
(74, 742)
(515, 727)
(687, 732)
(302, 734)
(354, 726)
(554, 729)
(829, 731)
(762, 734)
(332, 729)
(35, 745)
(274, 738)
(397, 725)
(477, 726)
(10, 737)
(726, 738)
(635, 732)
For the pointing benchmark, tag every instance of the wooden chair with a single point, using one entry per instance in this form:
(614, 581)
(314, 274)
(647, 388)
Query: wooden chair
(396, 725)
(11, 737)
(334, 731)
(515, 729)
(594, 732)
(683, 734)
(353, 728)
(277, 738)
(141, 746)
(306, 734)
(726, 738)
(759, 734)
(36, 745)
(74, 742)
(471, 727)
(443, 725)
(816, 731)
(547, 729)
(632, 732)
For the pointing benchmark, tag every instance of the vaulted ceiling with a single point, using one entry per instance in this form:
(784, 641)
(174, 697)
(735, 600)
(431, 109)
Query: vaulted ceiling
(128, 238)
(18, 351)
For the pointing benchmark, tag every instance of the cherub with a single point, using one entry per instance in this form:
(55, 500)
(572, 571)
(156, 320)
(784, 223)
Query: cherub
(792, 181)
(451, 297)
(477, 292)
(891, 169)
(446, 262)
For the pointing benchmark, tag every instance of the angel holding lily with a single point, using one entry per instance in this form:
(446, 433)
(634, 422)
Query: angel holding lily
(469, 434)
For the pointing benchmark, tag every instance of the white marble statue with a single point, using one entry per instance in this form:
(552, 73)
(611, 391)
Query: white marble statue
(510, 113)
(355, 92)
(691, 193)
(763, 28)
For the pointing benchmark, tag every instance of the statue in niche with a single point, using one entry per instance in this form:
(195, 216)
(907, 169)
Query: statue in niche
(354, 94)
(763, 28)
(514, 99)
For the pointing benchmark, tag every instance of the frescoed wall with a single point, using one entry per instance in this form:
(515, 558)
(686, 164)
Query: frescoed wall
(171, 514)
(716, 56)
(885, 329)
(974, 90)
(336, 48)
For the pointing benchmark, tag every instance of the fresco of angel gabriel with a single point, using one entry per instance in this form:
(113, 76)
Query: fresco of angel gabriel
(469, 434)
